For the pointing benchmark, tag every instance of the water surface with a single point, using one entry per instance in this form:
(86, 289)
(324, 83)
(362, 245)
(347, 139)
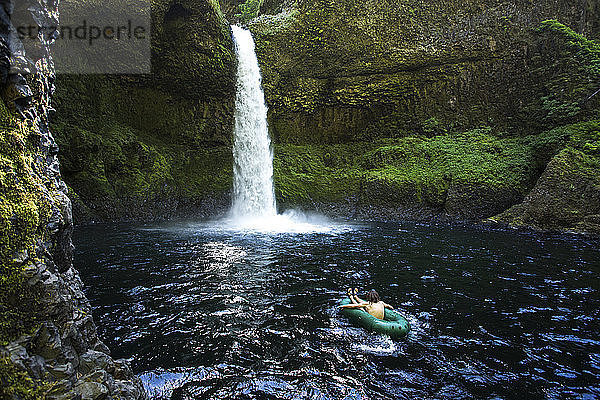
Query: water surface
(210, 312)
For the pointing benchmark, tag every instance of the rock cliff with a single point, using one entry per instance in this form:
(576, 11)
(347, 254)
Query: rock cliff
(159, 145)
(49, 347)
(384, 109)
(410, 87)
(347, 70)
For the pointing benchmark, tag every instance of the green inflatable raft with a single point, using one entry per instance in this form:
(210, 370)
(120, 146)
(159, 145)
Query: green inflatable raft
(393, 324)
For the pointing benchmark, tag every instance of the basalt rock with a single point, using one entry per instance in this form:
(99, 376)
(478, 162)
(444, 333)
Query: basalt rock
(346, 70)
(375, 108)
(402, 84)
(154, 146)
(46, 327)
(567, 195)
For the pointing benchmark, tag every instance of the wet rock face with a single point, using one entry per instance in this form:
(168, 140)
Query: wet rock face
(231, 8)
(65, 349)
(49, 338)
(155, 146)
(360, 72)
(347, 70)
(192, 50)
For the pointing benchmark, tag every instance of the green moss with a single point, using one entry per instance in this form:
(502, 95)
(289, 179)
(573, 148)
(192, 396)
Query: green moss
(573, 70)
(249, 10)
(394, 67)
(130, 142)
(6, 118)
(23, 212)
(432, 126)
(565, 196)
(415, 168)
(192, 57)
(123, 164)
(587, 51)
(585, 135)
(16, 384)
(312, 173)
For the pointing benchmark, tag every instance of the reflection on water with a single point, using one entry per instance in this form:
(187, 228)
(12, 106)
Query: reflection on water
(215, 312)
(290, 222)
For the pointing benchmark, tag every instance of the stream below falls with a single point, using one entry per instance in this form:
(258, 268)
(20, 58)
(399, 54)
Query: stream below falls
(208, 312)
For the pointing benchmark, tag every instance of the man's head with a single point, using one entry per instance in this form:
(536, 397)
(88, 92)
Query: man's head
(373, 297)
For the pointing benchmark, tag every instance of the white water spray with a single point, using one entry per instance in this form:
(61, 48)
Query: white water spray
(253, 194)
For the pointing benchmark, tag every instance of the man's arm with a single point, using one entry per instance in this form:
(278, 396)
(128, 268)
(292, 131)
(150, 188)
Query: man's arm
(354, 305)
(386, 305)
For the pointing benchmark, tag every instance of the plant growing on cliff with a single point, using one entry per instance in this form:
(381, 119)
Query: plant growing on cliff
(575, 63)
(249, 10)
(23, 210)
(16, 384)
(432, 126)
(557, 110)
(421, 169)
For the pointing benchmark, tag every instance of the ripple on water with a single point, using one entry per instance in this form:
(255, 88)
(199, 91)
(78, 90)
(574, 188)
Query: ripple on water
(214, 312)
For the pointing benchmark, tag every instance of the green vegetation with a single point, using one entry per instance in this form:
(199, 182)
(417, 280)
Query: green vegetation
(587, 52)
(316, 173)
(23, 213)
(574, 76)
(382, 113)
(347, 70)
(566, 195)
(413, 169)
(16, 384)
(249, 10)
(123, 166)
(117, 162)
(144, 146)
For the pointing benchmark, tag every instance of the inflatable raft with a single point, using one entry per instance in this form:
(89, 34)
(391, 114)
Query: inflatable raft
(393, 324)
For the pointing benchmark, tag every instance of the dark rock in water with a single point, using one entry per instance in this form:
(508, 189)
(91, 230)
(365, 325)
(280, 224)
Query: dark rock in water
(95, 359)
(49, 340)
(91, 391)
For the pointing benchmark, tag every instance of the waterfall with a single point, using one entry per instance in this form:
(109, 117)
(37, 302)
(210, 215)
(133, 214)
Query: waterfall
(253, 193)
(253, 207)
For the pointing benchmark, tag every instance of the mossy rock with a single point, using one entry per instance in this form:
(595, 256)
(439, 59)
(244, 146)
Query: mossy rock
(147, 147)
(567, 195)
(346, 70)
(471, 175)
(25, 210)
(16, 384)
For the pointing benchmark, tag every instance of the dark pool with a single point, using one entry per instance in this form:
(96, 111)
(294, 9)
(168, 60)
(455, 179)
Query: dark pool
(212, 313)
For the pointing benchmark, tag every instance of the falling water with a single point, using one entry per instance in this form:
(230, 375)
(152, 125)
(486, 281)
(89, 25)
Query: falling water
(254, 207)
(253, 194)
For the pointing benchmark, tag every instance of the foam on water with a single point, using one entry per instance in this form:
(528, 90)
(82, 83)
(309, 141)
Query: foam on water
(291, 221)
(378, 345)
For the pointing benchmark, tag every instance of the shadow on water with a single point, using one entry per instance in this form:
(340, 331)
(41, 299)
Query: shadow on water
(210, 312)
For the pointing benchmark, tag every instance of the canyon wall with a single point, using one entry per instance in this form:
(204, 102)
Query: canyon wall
(378, 109)
(49, 347)
(415, 109)
(157, 145)
(346, 70)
